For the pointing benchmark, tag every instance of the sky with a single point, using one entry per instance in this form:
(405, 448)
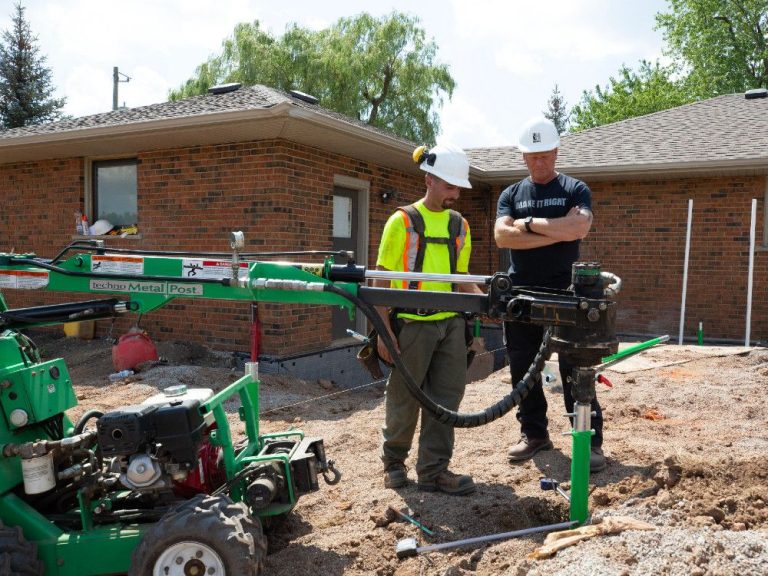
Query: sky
(506, 56)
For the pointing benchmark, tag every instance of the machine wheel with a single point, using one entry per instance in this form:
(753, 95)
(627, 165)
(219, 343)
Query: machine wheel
(206, 535)
(18, 556)
(253, 526)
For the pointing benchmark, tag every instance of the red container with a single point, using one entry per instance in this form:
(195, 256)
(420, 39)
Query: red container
(132, 349)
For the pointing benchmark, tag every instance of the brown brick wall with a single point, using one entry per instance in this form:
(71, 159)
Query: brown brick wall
(39, 200)
(279, 194)
(639, 234)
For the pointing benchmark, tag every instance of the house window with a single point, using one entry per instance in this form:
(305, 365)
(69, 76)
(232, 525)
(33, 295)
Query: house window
(114, 191)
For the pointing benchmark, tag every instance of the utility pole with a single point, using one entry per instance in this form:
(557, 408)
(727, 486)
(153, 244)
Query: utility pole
(115, 81)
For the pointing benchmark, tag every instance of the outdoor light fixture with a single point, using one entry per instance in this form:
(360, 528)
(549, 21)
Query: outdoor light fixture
(387, 195)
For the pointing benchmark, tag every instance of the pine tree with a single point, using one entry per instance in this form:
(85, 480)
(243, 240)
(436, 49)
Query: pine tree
(557, 111)
(26, 90)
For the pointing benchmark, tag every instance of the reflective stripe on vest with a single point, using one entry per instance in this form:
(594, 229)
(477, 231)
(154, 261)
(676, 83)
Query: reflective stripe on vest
(457, 235)
(411, 248)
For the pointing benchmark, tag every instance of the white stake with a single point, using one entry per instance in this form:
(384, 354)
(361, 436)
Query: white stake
(685, 270)
(751, 270)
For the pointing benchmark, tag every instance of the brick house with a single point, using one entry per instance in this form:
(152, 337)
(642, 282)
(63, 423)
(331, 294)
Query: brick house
(271, 164)
(278, 167)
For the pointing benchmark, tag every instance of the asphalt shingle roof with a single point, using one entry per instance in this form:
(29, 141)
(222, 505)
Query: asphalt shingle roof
(720, 130)
(257, 97)
(243, 99)
(729, 127)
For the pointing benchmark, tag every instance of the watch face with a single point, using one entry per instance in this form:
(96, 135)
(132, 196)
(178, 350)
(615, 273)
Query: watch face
(528, 223)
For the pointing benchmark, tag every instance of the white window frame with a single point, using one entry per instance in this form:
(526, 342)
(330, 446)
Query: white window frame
(90, 188)
(363, 188)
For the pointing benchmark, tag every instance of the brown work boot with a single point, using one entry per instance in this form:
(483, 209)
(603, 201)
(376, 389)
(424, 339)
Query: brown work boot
(597, 461)
(450, 483)
(527, 447)
(395, 475)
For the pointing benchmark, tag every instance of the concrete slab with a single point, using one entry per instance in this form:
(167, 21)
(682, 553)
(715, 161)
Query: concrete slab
(670, 355)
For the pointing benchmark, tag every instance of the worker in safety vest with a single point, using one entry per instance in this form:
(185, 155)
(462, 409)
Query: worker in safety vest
(431, 238)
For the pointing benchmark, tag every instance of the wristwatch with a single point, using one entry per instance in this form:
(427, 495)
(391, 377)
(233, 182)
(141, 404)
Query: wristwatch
(527, 223)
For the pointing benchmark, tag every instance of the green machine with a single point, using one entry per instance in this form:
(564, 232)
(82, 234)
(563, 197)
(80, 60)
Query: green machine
(163, 488)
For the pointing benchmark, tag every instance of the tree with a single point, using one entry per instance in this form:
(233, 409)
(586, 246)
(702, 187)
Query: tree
(557, 111)
(723, 44)
(382, 71)
(651, 89)
(26, 90)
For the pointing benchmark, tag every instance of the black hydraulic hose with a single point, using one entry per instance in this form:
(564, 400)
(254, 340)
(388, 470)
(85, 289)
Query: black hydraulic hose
(80, 426)
(440, 413)
(88, 246)
(60, 313)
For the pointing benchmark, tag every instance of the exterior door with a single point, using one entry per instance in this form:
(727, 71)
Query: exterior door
(345, 237)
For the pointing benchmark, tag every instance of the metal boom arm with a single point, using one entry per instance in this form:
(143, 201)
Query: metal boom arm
(582, 318)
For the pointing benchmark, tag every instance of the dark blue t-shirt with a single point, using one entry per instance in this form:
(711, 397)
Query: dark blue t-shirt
(548, 266)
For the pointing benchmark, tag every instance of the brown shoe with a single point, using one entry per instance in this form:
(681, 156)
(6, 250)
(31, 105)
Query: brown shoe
(597, 461)
(527, 447)
(395, 475)
(450, 483)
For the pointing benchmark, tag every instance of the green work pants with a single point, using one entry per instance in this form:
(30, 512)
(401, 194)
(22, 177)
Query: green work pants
(435, 353)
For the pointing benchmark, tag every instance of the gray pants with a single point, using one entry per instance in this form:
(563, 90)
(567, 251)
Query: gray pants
(435, 353)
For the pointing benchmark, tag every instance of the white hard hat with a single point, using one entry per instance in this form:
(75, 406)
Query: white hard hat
(447, 162)
(100, 227)
(538, 135)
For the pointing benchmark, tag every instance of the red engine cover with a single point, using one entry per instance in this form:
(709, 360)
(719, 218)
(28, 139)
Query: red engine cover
(206, 476)
(132, 349)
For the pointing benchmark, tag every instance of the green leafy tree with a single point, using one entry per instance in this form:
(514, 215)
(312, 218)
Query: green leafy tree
(26, 89)
(634, 93)
(557, 111)
(382, 71)
(722, 44)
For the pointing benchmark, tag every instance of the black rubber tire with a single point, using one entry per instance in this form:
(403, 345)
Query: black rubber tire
(254, 527)
(214, 522)
(18, 556)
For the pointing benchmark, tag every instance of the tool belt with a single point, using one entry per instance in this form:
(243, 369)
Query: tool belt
(368, 355)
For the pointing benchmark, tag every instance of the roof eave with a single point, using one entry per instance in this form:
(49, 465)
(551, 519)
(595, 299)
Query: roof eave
(283, 120)
(638, 171)
(351, 140)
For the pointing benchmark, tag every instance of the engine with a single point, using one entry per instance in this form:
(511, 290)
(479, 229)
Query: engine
(152, 444)
(134, 463)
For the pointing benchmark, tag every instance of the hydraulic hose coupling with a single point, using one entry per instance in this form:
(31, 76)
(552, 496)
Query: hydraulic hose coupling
(298, 285)
(612, 284)
(591, 336)
(591, 282)
(587, 280)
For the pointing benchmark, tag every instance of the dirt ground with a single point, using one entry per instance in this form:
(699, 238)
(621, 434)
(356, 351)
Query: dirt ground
(686, 436)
